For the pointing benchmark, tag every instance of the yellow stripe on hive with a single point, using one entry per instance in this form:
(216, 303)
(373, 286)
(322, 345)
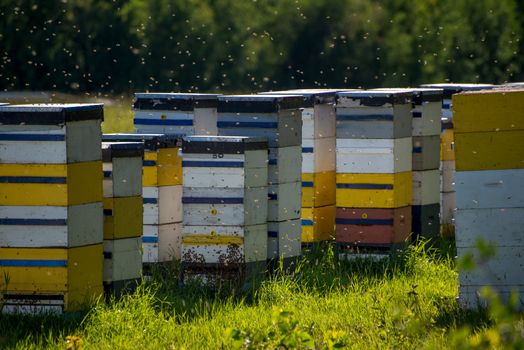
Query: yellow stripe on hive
(490, 150)
(33, 253)
(196, 239)
(399, 196)
(447, 149)
(323, 227)
(127, 217)
(33, 194)
(150, 176)
(323, 191)
(43, 170)
(488, 111)
(84, 276)
(150, 155)
(169, 167)
(84, 182)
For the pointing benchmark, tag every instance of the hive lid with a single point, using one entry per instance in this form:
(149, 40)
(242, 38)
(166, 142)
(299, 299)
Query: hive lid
(222, 144)
(312, 96)
(112, 150)
(373, 98)
(453, 88)
(150, 141)
(419, 95)
(174, 101)
(50, 114)
(259, 103)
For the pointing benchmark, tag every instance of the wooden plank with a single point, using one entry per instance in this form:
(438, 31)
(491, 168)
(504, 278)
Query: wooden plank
(447, 145)
(123, 217)
(426, 152)
(284, 164)
(122, 259)
(318, 155)
(501, 227)
(426, 187)
(284, 201)
(426, 220)
(284, 239)
(489, 110)
(318, 224)
(205, 121)
(318, 189)
(489, 189)
(447, 170)
(448, 205)
(490, 150)
(374, 190)
(426, 119)
(373, 226)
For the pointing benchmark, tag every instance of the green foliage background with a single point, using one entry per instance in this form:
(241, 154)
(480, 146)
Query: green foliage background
(229, 45)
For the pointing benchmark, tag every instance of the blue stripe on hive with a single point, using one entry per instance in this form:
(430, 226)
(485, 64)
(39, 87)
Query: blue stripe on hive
(307, 183)
(306, 222)
(175, 122)
(272, 162)
(417, 114)
(272, 234)
(32, 137)
(148, 163)
(33, 179)
(108, 255)
(33, 263)
(307, 149)
(150, 201)
(417, 149)
(212, 164)
(366, 186)
(39, 222)
(108, 212)
(272, 196)
(365, 117)
(211, 200)
(261, 125)
(149, 239)
(107, 173)
(364, 221)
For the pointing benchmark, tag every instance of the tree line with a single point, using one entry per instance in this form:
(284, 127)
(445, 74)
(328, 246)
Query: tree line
(122, 46)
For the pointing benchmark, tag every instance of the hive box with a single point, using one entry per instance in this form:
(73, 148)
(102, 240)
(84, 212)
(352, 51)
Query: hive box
(373, 226)
(51, 206)
(318, 223)
(373, 114)
(175, 113)
(225, 208)
(284, 164)
(426, 187)
(426, 151)
(278, 118)
(374, 190)
(123, 215)
(374, 155)
(426, 220)
(284, 239)
(318, 189)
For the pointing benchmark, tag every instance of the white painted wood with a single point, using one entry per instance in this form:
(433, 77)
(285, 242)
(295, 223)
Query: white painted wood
(502, 227)
(150, 192)
(252, 211)
(319, 121)
(323, 157)
(490, 189)
(374, 155)
(170, 204)
(151, 214)
(83, 226)
(167, 247)
(84, 141)
(288, 201)
(169, 129)
(471, 296)
(288, 131)
(426, 187)
(125, 261)
(284, 164)
(447, 207)
(447, 170)
(205, 121)
(503, 269)
(32, 306)
(163, 116)
(400, 126)
(127, 177)
(429, 123)
(287, 242)
(213, 254)
(447, 109)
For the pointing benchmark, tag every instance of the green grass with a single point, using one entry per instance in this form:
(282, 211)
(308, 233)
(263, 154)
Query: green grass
(403, 302)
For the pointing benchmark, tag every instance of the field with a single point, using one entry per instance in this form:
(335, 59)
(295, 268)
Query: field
(407, 301)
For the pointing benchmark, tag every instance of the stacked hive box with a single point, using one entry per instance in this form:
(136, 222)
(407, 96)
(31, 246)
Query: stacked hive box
(278, 119)
(373, 180)
(447, 153)
(123, 215)
(318, 164)
(51, 223)
(171, 113)
(225, 208)
(489, 140)
(162, 192)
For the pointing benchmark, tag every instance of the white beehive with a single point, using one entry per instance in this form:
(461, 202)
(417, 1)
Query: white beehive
(176, 113)
(225, 206)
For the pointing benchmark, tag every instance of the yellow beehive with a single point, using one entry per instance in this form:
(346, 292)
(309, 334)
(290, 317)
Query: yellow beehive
(318, 189)
(318, 224)
(374, 190)
(447, 148)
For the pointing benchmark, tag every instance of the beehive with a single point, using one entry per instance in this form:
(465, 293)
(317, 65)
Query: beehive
(176, 113)
(488, 184)
(318, 163)
(162, 195)
(123, 215)
(278, 119)
(373, 171)
(447, 152)
(225, 208)
(51, 223)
